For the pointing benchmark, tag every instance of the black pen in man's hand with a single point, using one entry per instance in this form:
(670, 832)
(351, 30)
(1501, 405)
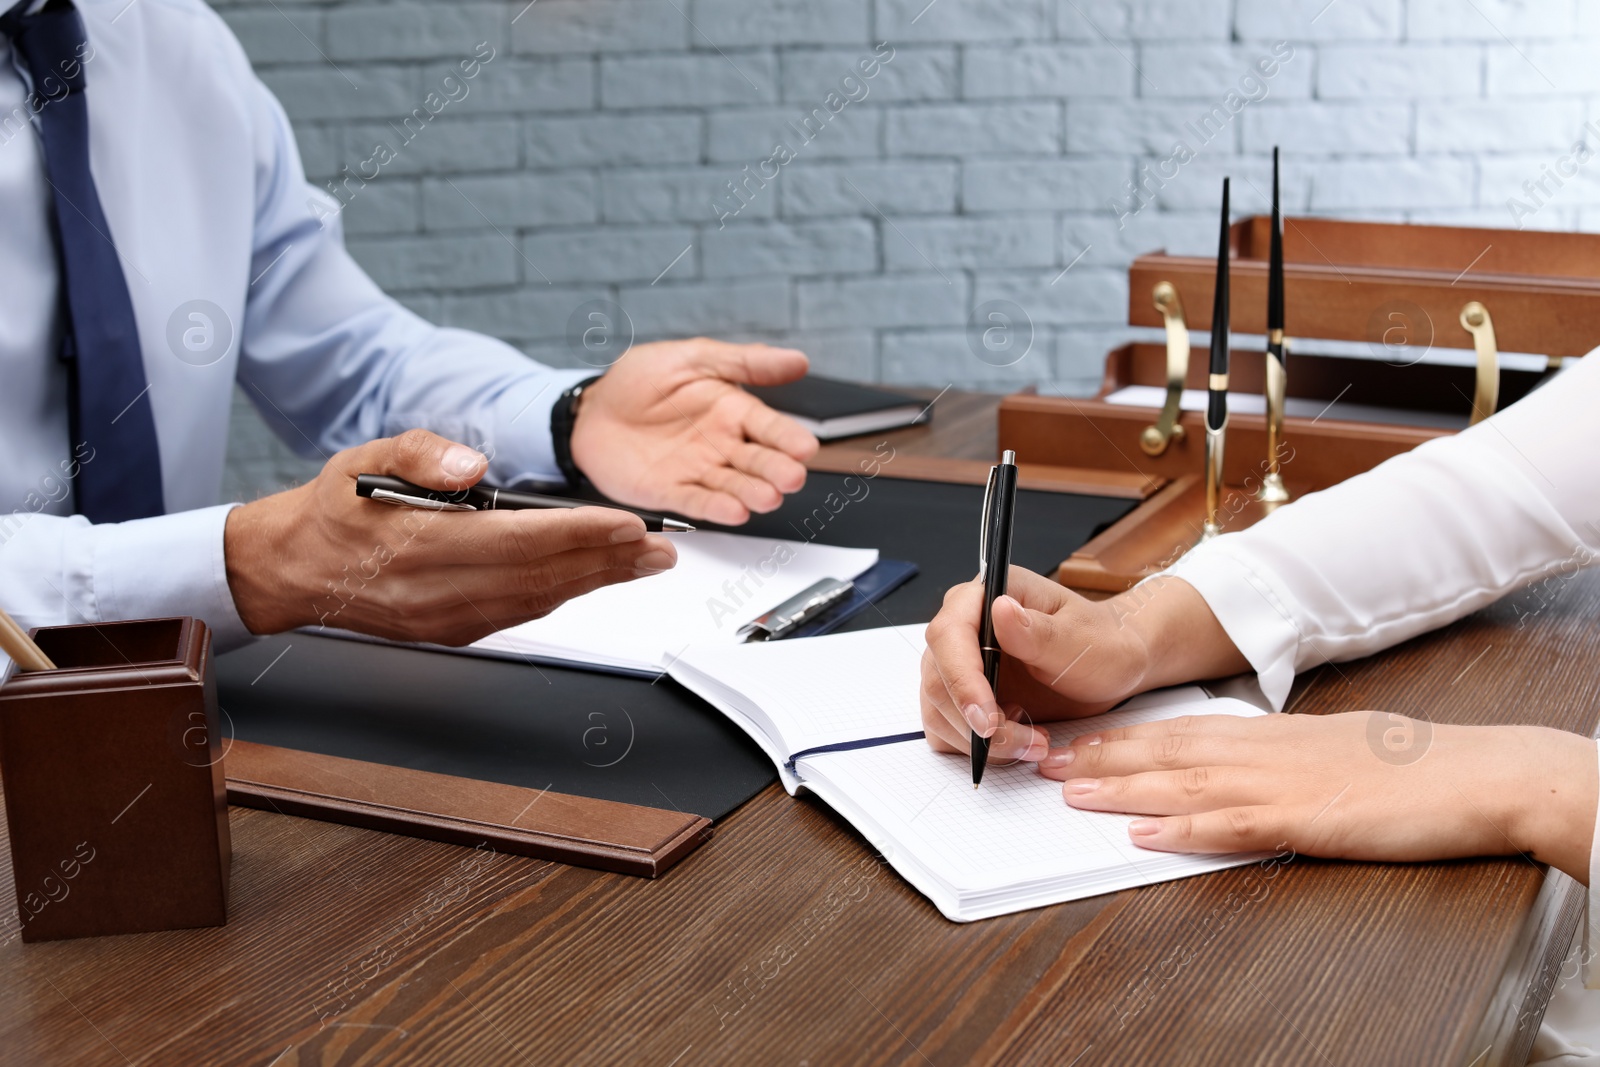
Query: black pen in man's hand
(388, 490)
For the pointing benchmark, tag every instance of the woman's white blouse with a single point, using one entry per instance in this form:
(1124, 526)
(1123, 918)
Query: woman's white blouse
(1418, 542)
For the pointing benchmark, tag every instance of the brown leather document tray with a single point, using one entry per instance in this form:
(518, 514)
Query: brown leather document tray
(1328, 448)
(1401, 289)
(584, 831)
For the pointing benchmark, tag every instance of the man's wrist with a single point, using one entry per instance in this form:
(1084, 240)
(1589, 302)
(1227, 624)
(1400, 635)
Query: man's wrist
(256, 566)
(563, 420)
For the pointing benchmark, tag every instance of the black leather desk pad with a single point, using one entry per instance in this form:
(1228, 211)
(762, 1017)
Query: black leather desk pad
(598, 735)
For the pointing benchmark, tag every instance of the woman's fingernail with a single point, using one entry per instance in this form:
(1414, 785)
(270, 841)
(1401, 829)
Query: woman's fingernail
(627, 532)
(1144, 827)
(1080, 786)
(1022, 615)
(1058, 759)
(653, 562)
(975, 717)
(1090, 739)
(1038, 748)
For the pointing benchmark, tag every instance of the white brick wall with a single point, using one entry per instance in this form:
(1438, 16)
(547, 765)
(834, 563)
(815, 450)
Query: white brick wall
(994, 148)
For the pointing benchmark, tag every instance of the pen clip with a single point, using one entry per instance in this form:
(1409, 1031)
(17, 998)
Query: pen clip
(804, 605)
(983, 531)
(389, 496)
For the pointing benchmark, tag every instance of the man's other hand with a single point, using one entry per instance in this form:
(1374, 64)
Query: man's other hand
(669, 429)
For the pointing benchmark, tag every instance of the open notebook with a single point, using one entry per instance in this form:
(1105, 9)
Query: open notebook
(839, 716)
(721, 582)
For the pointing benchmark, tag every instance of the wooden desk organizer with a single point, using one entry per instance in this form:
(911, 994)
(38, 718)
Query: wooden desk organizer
(114, 784)
(1402, 289)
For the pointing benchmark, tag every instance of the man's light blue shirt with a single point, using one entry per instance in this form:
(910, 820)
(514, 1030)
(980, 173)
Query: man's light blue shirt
(237, 270)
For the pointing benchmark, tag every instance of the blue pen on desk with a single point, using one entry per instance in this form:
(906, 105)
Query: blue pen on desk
(994, 563)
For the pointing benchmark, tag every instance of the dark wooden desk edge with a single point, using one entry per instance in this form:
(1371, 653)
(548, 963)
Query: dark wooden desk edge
(1533, 966)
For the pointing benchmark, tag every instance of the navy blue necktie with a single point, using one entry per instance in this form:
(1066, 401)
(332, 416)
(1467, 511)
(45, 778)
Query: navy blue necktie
(110, 398)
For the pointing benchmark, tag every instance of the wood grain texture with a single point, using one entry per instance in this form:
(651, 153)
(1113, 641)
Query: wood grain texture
(1452, 249)
(784, 940)
(1540, 288)
(1097, 434)
(1154, 535)
(590, 832)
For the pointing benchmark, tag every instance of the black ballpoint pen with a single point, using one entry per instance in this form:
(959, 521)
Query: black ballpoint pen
(1272, 488)
(994, 561)
(1217, 384)
(389, 490)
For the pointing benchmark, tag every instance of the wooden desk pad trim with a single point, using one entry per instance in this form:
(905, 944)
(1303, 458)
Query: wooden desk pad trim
(1047, 478)
(586, 832)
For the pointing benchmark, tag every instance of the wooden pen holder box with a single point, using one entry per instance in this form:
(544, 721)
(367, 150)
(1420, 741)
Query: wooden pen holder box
(113, 777)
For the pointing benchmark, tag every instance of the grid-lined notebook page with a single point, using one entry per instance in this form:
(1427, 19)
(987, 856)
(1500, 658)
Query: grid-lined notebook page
(821, 690)
(1013, 830)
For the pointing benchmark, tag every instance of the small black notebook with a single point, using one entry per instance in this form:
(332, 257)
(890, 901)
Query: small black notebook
(832, 409)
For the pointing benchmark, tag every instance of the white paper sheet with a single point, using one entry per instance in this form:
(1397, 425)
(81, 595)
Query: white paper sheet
(819, 690)
(1015, 832)
(721, 582)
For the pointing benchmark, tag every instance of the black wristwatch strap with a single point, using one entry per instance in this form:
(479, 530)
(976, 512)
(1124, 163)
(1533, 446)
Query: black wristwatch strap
(563, 416)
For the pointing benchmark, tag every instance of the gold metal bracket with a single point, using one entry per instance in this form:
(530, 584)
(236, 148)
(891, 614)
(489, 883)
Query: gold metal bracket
(1486, 397)
(1154, 439)
(1272, 489)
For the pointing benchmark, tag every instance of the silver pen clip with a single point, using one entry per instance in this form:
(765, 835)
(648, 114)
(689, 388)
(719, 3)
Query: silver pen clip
(389, 496)
(983, 531)
(804, 605)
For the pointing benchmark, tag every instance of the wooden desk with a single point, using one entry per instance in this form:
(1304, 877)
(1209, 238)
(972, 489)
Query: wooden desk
(782, 940)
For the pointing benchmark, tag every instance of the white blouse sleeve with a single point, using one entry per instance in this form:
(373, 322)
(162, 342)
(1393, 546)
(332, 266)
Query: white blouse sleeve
(1415, 543)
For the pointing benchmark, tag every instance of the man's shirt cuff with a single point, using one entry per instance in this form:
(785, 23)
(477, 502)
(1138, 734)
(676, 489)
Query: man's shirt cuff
(168, 565)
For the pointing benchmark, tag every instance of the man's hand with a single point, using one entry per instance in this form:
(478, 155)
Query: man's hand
(668, 429)
(1065, 657)
(1331, 785)
(319, 554)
